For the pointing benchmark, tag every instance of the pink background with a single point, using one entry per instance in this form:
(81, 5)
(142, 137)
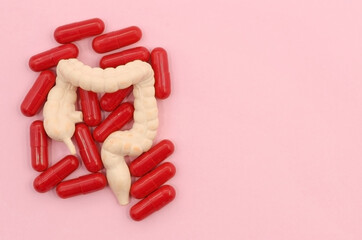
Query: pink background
(265, 115)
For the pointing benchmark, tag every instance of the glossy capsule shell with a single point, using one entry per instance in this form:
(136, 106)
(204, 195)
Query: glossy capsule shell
(78, 30)
(159, 63)
(50, 58)
(82, 185)
(153, 202)
(38, 93)
(90, 107)
(115, 121)
(126, 56)
(55, 174)
(110, 101)
(152, 180)
(117, 39)
(87, 148)
(150, 159)
(39, 146)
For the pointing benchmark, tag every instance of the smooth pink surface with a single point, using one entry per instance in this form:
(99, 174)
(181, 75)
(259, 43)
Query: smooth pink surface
(265, 113)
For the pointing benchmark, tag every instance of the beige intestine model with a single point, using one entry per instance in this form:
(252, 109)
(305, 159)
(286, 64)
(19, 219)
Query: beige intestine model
(60, 115)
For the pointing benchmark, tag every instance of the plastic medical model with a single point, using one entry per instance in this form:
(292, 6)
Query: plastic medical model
(60, 115)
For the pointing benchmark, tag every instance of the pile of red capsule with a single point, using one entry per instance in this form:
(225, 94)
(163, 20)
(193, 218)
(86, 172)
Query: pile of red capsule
(149, 187)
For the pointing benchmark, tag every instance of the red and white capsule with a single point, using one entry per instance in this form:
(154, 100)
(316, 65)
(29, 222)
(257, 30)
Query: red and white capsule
(87, 148)
(117, 39)
(39, 146)
(110, 101)
(82, 185)
(115, 121)
(159, 62)
(38, 93)
(126, 56)
(152, 180)
(78, 30)
(153, 202)
(150, 159)
(50, 58)
(55, 174)
(90, 107)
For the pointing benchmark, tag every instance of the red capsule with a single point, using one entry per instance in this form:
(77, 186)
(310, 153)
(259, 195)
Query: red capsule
(78, 30)
(39, 146)
(121, 58)
(117, 39)
(115, 121)
(55, 174)
(153, 202)
(159, 64)
(152, 180)
(150, 159)
(50, 58)
(82, 185)
(90, 107)
(37, 95)
(109, 101)
(87, 148)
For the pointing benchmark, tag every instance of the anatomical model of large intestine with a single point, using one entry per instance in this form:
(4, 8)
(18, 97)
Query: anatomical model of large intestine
(60, 115)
